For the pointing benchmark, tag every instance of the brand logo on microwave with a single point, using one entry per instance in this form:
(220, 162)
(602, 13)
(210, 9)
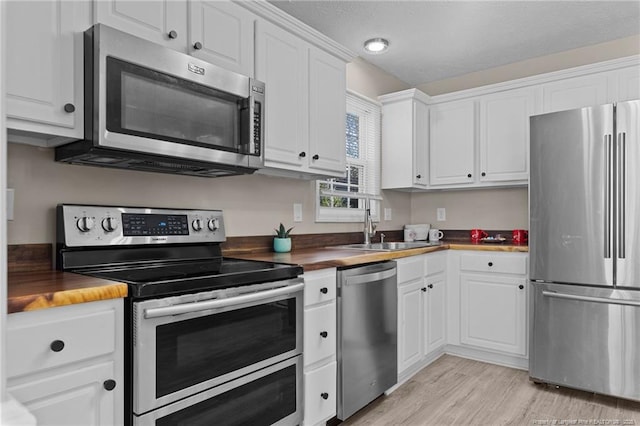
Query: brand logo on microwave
(158, 238)
(195, 69)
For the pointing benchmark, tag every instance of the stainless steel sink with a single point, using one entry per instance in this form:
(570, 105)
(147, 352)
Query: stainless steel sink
(391, 246)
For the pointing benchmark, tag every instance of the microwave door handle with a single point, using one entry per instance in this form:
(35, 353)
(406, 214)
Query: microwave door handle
(252, 125)
(187, 308)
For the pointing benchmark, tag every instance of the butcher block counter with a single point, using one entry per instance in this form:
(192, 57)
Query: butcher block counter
(328, 257)
(33, 284)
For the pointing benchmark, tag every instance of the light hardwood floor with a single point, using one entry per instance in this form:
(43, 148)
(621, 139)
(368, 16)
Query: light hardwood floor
(458, 391)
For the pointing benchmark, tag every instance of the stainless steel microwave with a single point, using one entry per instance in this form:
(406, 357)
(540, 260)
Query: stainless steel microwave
(151, 108)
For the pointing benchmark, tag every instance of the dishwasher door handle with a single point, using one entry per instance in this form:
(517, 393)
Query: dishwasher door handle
(376, 276)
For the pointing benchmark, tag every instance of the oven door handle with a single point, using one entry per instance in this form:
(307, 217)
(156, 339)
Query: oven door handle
(187, 308)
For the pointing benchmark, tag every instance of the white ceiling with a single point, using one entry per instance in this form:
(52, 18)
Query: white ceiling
(436, 40)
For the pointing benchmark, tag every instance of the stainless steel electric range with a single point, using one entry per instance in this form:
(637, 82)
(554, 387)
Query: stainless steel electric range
(209, 340)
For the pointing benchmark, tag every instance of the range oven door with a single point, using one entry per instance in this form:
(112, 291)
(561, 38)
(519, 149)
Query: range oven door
(188, 344)
(271, 396)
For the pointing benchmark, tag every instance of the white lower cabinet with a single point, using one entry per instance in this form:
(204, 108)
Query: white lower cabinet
(320, 331)
(65, 364)
(421, 310)
(493, 302)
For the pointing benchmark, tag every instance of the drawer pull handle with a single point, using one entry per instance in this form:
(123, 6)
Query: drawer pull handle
(324, 334)
(57, 345)
(324, 395)
(302, 154)
(173, 34)
(197, 45)
(423, 289)
(316, 157)
(69, 107)
(469, 175)
(430, 286)
(324, 290)
(490, 263)
(521, 287)
(109, 384)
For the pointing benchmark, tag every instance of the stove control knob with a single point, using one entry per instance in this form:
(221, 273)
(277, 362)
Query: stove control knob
(213, 224)
(85, 224)
(109, 224)
(197, 224)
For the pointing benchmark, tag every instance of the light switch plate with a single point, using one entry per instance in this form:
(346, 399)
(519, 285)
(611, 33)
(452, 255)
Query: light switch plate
(297, 212)
(387, 213)
(10, 195)
(441, 214)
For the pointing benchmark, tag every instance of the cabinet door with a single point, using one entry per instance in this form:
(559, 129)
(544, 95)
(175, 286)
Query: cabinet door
(77, 397)
(628, 84)
(504, 135)
(577, 92)
(44, 66)
(410, 329)
(435, 313)
(452, 143)
(281, 63)
(160, 21)
(493, 312)
(327, 112)
(222, 33)
(420, 144)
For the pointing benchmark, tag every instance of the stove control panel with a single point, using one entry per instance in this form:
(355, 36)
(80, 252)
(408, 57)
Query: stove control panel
(80, 226)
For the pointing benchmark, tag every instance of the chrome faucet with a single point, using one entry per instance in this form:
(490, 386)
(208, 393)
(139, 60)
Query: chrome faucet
(382, 238)
(369, 227)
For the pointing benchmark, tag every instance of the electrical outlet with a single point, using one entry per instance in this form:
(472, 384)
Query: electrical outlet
(387, 213)
(297, 212)
(441, 214)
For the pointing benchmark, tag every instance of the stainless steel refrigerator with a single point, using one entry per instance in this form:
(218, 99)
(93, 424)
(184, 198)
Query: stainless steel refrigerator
(584, 245)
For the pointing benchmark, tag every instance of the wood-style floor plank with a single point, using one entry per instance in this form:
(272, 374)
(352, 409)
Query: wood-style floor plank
(458, 391)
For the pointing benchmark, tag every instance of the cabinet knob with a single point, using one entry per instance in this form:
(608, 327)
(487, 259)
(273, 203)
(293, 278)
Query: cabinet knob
(521, 287)
(490, 264)
(430, 286)
(423, 289)
(483, 174)
(418, 176)
(69, 108)
(324, 395)
(316, 157)
(302, 154)
(57, 345)
(324, 290)
(469, 175)
(197, 45)
(173, 34)
(324, 334)
(109, 384)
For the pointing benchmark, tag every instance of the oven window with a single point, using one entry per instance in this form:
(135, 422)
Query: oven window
(146, 103)
(261, 402)
(193, 351)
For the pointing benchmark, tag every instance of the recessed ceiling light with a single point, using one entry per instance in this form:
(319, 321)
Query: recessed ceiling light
(376, 45)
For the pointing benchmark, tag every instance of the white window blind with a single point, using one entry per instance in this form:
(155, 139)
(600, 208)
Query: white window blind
(362, 141)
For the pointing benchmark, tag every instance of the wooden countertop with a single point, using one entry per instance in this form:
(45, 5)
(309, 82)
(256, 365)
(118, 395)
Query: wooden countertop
(327, 257)
(28, 291)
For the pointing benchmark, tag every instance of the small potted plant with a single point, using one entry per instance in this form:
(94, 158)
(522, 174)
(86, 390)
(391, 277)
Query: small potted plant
(282, 241)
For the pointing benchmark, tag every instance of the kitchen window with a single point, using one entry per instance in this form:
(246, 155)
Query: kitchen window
(362, 139)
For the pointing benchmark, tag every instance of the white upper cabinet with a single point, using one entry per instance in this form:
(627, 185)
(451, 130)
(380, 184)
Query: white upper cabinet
(160, 21)
(305, 104)
(576, 92)
(222, 33)
(504, 135)
(628, 84)
(452, 143)
(44, 74)
(405, 136)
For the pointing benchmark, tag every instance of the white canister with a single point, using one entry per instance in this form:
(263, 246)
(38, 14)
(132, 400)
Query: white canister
(409, 235)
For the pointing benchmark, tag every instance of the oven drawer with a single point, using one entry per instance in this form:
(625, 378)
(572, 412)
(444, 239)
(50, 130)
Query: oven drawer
(272, 395)
(53, 337)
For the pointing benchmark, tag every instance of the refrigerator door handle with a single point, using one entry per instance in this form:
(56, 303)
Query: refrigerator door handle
(591, 298)
(622, 148)
(607, 196)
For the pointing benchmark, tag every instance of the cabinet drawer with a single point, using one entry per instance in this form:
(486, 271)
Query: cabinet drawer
(319, 286)
(410, 269)
(435, 263)
(494, 263)
(319, 384)
(318, 323)
(57, 336)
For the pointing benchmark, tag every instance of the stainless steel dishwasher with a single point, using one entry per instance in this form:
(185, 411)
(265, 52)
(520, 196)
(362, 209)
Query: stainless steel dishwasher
(367, 334)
